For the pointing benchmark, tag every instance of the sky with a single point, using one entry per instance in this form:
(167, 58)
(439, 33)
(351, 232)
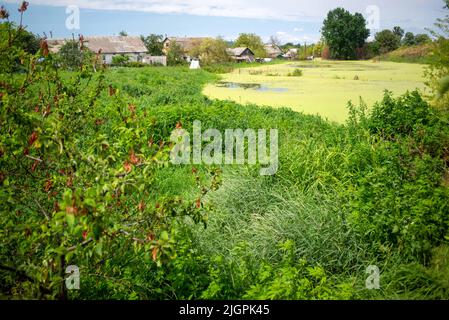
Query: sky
(297, 21)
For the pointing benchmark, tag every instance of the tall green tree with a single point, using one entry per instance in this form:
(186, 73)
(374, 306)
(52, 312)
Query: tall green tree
(387, 41)
(211, 51)
(252, 41)
(175, 54)
(344, 33)
(422, 38)
(154, 44)
(409, 39)
(398, 32)
(72, 56)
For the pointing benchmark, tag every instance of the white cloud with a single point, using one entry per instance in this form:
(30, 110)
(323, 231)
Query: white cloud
(298, 29)
(286, 37)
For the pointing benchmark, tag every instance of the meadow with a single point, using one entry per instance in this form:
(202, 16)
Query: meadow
(369, 191)
(345, 197)
(324, 88)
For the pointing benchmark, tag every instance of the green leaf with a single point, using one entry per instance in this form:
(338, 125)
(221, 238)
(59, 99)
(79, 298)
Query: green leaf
(164, 235)
(70, 220)
(99, 249)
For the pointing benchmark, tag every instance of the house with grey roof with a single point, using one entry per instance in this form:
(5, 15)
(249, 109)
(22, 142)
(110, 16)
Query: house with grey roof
(241, 54)
(133, 47)
(273, 51)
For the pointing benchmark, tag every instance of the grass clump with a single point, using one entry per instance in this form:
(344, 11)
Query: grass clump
(296, 73)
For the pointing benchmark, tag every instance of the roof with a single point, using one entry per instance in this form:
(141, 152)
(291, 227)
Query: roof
(238, 51)
(118, 44)
(187, 43)
(115, 45)
(55, 45)
(273, 50)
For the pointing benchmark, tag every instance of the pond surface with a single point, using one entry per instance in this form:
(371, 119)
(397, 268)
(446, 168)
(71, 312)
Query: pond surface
(309, 66)
(250, 86)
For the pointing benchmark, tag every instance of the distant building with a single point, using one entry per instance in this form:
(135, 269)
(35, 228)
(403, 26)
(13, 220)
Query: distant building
(291, 54)
(241, 54)
(186, 44)
(133, 47)
(273, 51)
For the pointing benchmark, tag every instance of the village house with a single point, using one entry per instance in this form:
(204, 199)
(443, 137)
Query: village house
(291, 54)
(241, 54)
(186, 44)
(133, 47)
(273, 51)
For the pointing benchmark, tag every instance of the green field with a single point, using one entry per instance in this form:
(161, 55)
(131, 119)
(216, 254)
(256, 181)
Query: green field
(325, 87)
(371, 191)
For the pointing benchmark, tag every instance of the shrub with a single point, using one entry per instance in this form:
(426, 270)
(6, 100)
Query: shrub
(400, 198)
(296, 73)
(77, 181)
(120, 60)
(400, 117)
(136, 64)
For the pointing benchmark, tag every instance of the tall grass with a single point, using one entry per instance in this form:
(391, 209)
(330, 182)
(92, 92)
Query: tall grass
(300, 221)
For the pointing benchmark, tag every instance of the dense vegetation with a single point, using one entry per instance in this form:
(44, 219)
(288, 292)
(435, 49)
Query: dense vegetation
(85, 180)
(344, 33)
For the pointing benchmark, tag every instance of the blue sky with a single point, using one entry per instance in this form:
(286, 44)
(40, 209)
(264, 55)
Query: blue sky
(289, 20)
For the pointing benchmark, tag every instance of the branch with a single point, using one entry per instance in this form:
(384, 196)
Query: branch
(82, 244)
(33, 158)
(42, 210)
(126, 233)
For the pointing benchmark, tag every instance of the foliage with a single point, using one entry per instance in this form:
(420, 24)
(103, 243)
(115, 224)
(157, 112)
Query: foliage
(387, 41)
(222, 68)
(295, 280)
(73, 55)
(344, 33)
(421, 54)
(412, 40)
(398, 32)
(23, 38)
(175, 54)
(120, 59)
(211, 51)
(85, 181)
(77, 179)
(439, 68)
(401, 200)
(20, 38)
(444, 86)
(154, 44)
(422, 38)
(409, 39)
(372, 49)
(252, 41)
(296, 73)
